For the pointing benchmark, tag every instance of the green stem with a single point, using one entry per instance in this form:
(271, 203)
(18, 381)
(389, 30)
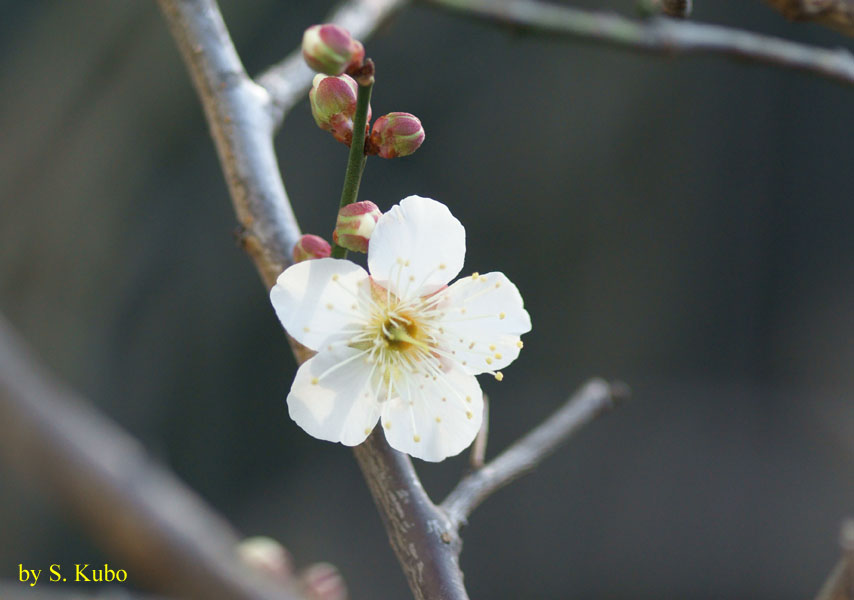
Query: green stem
(356, 160)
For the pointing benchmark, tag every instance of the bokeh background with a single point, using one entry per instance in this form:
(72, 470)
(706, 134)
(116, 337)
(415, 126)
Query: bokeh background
(682, 224)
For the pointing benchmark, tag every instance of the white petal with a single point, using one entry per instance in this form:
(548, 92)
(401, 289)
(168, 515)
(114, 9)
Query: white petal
(316, 299)
(332, 397)
(483, 320)
(417, 247)
(433, 419)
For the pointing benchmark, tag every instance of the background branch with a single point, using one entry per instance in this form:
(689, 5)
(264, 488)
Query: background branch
(594, 398)
(18, 591)
(288, 80)
(136, 509)
(836, 14)
(840, 583)
(658, 35)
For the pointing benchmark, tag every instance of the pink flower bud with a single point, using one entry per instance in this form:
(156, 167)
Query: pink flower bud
(331, 50)
(322, 581)
(333, 105)
(311, 246)
(396, 134)
(355, 225)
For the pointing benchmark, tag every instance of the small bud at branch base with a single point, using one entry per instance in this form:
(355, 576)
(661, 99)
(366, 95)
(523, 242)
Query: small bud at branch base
(311, 246)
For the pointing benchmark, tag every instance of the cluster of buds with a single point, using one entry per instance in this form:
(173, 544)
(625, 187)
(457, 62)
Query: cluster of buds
(335, 55)
(333, 105)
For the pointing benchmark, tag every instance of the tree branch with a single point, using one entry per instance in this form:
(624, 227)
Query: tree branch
(287, 81)
(241, 119)
(136, 508)
(593, 399)
(238, 114)
(422, 537)
(658, 35)
(836, 14)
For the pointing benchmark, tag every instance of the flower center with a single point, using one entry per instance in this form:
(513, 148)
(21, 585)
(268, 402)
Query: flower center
(400, 335)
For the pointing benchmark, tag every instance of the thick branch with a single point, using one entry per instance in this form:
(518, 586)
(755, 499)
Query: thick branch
(237, 111)
(836, 14)
(589, 402)
(422, 537)
(143, 513)
(287, 81)
(658, 35)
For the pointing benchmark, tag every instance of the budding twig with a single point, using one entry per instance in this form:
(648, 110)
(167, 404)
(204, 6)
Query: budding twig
(356, 158)
(288, 80)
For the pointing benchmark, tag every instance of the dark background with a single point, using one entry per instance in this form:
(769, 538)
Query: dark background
(681, 224)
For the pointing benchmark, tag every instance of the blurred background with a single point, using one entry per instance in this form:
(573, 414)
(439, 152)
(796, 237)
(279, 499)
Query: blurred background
(682, 224)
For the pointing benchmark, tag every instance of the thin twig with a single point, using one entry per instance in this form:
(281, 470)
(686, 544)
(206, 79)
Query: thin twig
(658, 35)
(836, 14)
(594, 398)
(287, 81)
(140, 511)
(478, 448)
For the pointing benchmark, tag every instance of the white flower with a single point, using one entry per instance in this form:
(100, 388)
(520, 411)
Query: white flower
(399, 345)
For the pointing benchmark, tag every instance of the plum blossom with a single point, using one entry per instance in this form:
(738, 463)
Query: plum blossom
(399, 345)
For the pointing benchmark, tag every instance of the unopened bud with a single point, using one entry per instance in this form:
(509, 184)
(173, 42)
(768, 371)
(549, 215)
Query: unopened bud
(331, 50)
(311, 246)
(355, 225)
(396, 134)
(333, 105)
(322, 581)
(266, 555)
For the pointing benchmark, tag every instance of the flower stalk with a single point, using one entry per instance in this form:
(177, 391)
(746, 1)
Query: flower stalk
(356, 159)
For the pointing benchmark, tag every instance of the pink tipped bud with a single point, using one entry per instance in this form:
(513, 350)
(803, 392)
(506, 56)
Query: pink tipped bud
(331, 50)
(322, 581)
(267, 556)
(355, 225)
(333, 105)
(396, 134)
(311, 246)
